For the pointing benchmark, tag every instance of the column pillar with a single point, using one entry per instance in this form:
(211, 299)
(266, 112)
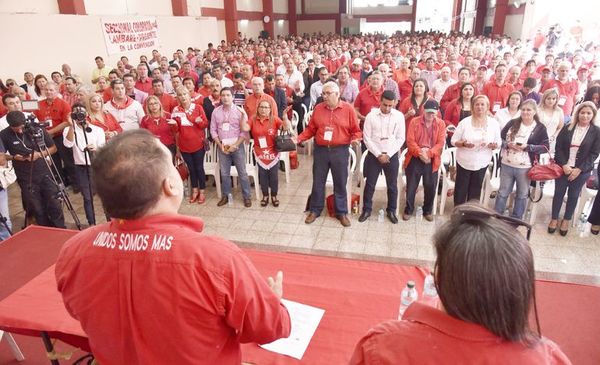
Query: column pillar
(292, 17)
(72, 7)
(268, 10)
(480, 16)
(500, 17)
(231, 20)
(179, 7)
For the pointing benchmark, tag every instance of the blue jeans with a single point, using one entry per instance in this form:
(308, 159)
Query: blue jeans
(238, 158)
(4, 234)
(508, 177)
(195, 163)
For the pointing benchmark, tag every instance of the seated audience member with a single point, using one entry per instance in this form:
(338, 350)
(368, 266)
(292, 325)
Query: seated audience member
(177, 288)
(484, 322)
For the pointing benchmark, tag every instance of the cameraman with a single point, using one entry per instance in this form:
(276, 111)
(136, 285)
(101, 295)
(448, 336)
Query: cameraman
(38, 189)
(83, 138)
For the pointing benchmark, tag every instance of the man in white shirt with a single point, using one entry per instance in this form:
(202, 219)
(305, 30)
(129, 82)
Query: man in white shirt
(440, 85)
(293, 78)
(218, 74)
(127, 112)
(317, 88)
(383, 134)
(84, 139)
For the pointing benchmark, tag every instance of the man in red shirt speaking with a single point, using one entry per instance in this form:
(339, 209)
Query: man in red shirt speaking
(149, 287)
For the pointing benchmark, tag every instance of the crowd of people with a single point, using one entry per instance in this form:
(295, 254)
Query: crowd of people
(483, 96)
(413, 94)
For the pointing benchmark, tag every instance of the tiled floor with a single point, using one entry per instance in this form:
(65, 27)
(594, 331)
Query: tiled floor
(574, 258)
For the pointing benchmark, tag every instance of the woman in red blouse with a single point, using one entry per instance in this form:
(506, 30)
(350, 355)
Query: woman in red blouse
(156, 122)
(191, 123)
(263, 127)
(100, 118)
(459, 108)
(412, 106)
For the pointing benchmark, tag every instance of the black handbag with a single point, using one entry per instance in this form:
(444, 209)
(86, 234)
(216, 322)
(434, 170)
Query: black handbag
(283, 142)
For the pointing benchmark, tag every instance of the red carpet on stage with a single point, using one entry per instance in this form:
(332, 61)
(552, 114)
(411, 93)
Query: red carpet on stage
(355, 295)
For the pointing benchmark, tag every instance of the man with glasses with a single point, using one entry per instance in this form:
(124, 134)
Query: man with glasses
(567, 89)
(369, 97)
(334, 126)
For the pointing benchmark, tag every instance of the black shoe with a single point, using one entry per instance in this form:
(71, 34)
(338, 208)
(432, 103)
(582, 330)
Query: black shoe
(594, 231)
(551, 230)
(563, 233)
(392, 217)
(364, 216)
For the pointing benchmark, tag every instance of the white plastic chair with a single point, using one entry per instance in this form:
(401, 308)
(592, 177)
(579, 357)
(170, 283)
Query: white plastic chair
(251, 167)
(448, 157)
(351, 169)
(491, 181)
(285, 158)
(381, 183)
(308, 144)
(211, 166)
(295, 119)
(13, 345)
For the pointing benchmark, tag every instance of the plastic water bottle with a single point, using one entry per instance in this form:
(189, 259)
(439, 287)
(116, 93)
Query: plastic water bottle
(429, 291)
(409, 296)
(582, 223)
(230, 200)
(380, 216)
(419, 214)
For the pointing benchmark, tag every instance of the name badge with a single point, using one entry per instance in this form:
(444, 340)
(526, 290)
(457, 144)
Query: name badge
(496, 107)
(562, 100)
(226, 127)
(328, 135)
(262, 142)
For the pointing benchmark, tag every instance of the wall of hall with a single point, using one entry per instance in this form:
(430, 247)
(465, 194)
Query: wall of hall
(315, 26)
(42, 51)
(321, 6)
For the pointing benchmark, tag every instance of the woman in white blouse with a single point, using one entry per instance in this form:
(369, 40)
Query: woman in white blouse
(551, 115)
(577, 147)
(475, 139)
(523, 139)
(512, 109)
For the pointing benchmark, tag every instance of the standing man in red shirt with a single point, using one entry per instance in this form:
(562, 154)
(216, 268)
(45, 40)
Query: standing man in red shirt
(143, 83)
(56, 112)
(334, 126)
(567, 89)
(498, 90)
(167, 101)
(369, 97)
(150, 277)
(453, 91)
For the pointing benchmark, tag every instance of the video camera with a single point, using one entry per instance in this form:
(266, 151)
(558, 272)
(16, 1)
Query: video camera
(33, 128)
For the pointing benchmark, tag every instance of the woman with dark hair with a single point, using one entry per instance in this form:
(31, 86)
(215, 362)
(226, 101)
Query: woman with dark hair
(460, 108)
(412, 106)
(577, 147)
(475, 138)
(593, 94)
(39, 88)
(512, 109)
(485, 279)
(523, 139)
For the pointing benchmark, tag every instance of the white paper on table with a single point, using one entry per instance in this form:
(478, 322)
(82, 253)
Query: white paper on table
(305, 320)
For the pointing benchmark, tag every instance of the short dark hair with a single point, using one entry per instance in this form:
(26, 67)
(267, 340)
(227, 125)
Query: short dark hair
(175, 66)
(269, 78)
(7, 96)
(115, 82)
(529, 82)
(128, 173)
(101, 59)
(484, 272)
(128, 75)
(388, 95)
(157, 81)
(237, 75)
(15, 118)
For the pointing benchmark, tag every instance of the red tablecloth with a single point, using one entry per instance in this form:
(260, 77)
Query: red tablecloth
(355, 295)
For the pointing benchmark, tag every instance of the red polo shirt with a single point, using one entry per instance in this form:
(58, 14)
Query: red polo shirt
(160, 128)
(56, 111)
(498, 95)
(192, 133)
(451, 93)
(405, 88)
(340, 123)
(145, 86)
(566, 93)
(368, 99)
(264, 131)
(167, 101)
(428, 336)
(155, 290)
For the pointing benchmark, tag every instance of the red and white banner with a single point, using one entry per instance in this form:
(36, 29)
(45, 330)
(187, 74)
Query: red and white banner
(126, 35)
